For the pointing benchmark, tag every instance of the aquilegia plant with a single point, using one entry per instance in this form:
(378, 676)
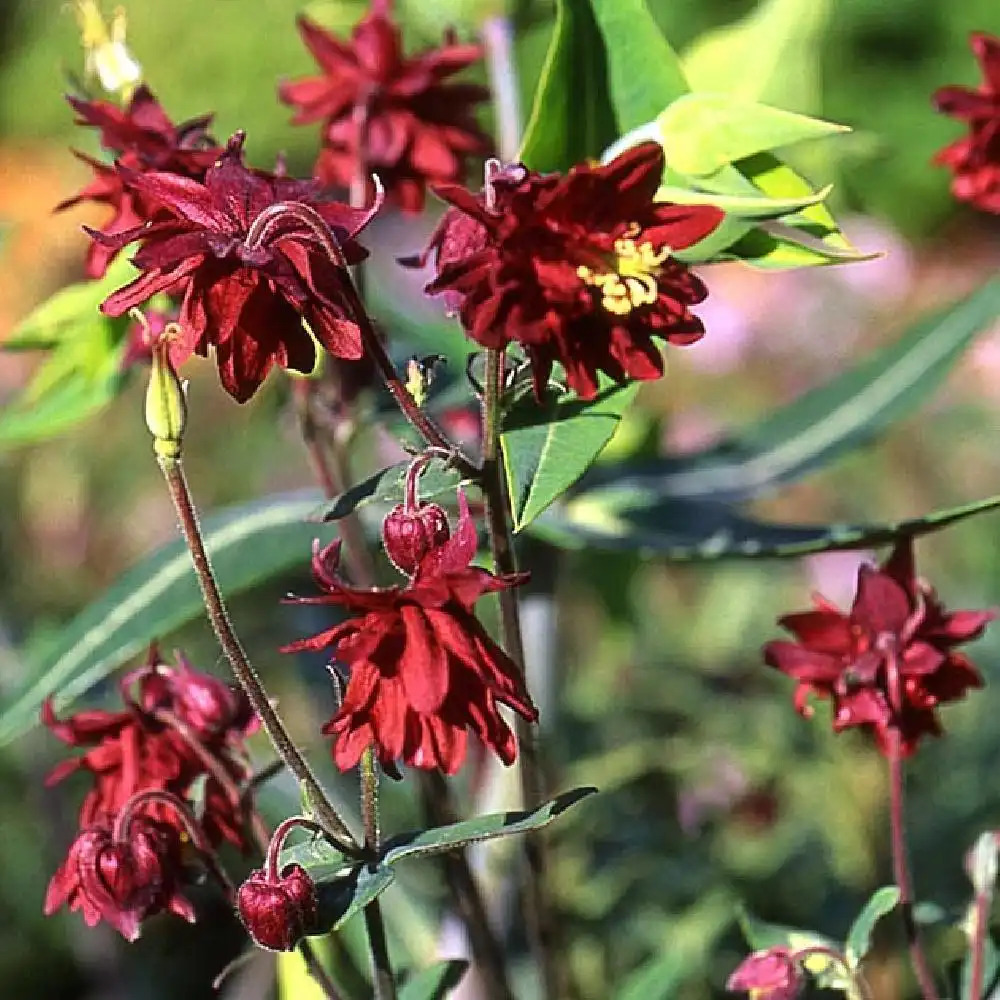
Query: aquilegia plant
(574, 268)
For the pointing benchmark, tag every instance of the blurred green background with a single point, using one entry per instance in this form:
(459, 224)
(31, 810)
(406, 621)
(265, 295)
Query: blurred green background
(714, 791)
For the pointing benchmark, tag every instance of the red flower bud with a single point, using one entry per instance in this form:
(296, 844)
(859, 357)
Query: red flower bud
(771, 974)
(409, 535)
(278, 913)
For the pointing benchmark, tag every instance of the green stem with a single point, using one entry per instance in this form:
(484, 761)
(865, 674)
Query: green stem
(244, 672)
(382, 977)
(541, 922)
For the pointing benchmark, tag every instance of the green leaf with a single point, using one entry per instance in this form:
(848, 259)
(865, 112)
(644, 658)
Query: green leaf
(571, 119)
(248, 544)
(772, 55)
(699, 531)
(67, 311)
(743, 206)
(547, 446)
(343, 897)
(760, 935)
(386, 486)
(644, 72)
(703, 132)
(436, 982)
(845, 413)
(449, 838)
(859, 937)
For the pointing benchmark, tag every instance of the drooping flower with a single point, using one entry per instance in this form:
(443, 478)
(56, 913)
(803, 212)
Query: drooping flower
(141, 748)
(277, 912)
(889, 662)
(397, 116)
(247, 269)
(143, 139)
(122, 881)
(771, 974)
(576, 269)
(409, 534)
(975, 159)
(423, 670)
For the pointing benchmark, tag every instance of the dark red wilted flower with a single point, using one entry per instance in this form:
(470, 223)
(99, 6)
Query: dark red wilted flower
(408, 535)
(423, 668)
(576, 269)
(887, 664)
(135, 750)
(278, 912)
(975, 159)
(771, 974)
(122, 881)
(143, 138)
(386, 113)
(246, 279)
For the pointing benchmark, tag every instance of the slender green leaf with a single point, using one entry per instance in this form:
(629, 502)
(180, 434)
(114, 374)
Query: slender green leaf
(699, 531)
(845, 413)
(859, 937)
(449, 838)
(386, 486)
(248, 544)
(703, 132)
(644, 72)
(436, 982)
(547, 446)
(743, 206)
(572, 119)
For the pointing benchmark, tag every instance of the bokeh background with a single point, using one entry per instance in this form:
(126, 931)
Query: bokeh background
(713, 790)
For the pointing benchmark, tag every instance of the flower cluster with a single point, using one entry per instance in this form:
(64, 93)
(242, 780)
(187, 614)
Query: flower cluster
(975, 159)
(423, 670)
(179, 733)
(399, 117)
(242, 251)
(577, 269)
(143, 139)
(889, 662)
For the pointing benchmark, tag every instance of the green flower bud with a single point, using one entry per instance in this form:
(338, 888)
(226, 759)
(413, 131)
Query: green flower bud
(166, 403)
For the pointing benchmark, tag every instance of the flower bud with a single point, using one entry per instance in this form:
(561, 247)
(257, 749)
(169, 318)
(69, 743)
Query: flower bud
(277, 914)
(166, 404)
(408, 535)
(107, 57)
(207, 704)
(771, 974)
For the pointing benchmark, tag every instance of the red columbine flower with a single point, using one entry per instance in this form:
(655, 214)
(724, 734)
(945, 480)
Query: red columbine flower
(278, 911)
(576, 269)
(122, 881)
(385, 113)
(144, 139)
(887, 664)
(975, 160)
(771, 974)
(248, 269)
(423, 668)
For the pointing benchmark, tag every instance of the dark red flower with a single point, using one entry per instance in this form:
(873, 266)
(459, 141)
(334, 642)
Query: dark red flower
(975, 159)
(575, 269)
(246, 285)
(887, 664)
(144, 139)
(278, 912)
(138, 749)
(423, 668)
(771, 974)
(122, 881)
(386, 113)
(409, 534)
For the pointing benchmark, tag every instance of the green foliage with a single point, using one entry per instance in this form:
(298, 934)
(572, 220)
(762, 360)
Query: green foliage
(859, 937)
(247, 544)
(548, 446)
(436, 982)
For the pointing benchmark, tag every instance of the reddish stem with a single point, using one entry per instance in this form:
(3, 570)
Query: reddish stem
(977, 944)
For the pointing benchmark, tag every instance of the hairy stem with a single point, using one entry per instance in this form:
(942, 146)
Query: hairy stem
(244, 672)
(901, 872)
(540, 918)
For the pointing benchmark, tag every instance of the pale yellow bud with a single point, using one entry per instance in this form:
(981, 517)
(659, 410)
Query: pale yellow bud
(107, 57)
(166, 403)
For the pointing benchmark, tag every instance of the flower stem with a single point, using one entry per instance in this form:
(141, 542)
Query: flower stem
(977, 944)
(498, 39)
(242, 669)
(901, 872)
(539, 912)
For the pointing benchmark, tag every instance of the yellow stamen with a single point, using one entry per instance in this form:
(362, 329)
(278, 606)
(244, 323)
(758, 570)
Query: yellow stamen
(633, 281)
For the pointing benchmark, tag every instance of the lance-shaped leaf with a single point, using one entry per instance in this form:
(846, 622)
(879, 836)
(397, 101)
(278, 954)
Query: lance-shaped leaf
(441, 839)
(386, 486)
(845, 413)
(548, 446)
(700, 531)
(248, 544)
(436, 982)
(859, 937)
